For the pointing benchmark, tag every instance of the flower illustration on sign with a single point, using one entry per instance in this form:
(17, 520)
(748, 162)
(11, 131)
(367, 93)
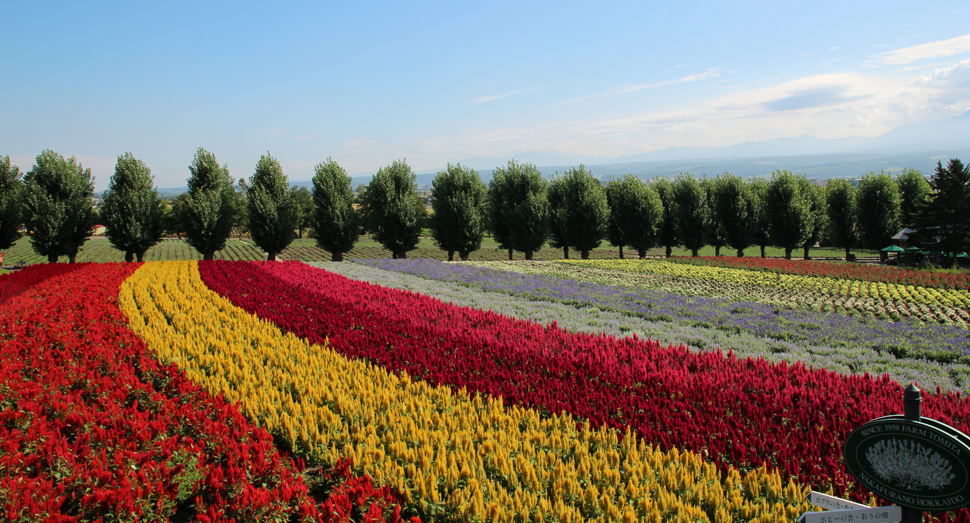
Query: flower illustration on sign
(910, 465)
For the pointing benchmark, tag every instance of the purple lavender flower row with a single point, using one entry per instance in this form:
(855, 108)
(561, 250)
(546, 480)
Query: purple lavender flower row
(903, 338)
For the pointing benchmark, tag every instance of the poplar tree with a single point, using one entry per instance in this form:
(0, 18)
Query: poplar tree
(58, 206)
(914, 192)
(335, 223)
(458, 217)
(391, 208)
(789, 211)
(585, 213)
(207, 216)
(716, 233)
(693, 220)
(667, 231)
(11, 194)
(302, 209)
(131, 210)
(817, 214)
(735, 209)
(758, 190)
(877, 211)
(270, 208)
(636, 214)
(519, 208)
(840, 200)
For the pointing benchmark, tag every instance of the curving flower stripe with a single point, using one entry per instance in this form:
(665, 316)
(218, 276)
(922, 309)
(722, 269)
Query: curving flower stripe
(453, 456)
(93, 429)
(845, 271)
(744, 413)
(826, 286)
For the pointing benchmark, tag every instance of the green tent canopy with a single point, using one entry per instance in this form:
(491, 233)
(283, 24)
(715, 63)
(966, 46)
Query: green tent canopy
(893, 248)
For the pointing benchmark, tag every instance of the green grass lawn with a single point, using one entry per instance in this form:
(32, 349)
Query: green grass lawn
(99, 249)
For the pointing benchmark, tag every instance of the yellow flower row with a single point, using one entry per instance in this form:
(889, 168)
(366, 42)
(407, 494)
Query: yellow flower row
(835, 287)
(453, 456)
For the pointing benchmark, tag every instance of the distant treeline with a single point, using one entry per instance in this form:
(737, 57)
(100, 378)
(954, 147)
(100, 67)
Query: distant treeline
(520, 209)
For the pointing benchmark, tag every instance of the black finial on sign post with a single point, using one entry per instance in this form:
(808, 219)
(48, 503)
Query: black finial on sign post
(912, 401)
(912, 407)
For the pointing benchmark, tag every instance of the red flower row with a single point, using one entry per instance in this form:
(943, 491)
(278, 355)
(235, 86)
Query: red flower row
(847, 271)
(736, 412)
(92, 427)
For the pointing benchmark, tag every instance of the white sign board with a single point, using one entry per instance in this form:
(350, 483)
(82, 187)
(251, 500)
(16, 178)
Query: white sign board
(868, 515)
(827, 502)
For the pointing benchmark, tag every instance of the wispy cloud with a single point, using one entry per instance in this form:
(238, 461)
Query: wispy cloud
(484, 99)
(273, 132)
(936, 49)
(710, 73)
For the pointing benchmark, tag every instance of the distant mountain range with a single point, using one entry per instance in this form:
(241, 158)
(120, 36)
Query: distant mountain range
(919, 146)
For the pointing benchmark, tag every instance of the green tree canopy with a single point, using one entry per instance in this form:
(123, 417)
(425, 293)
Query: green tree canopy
(914, 192)
(391, 208)
(636, 214)
(789, 211)
(335, 223)
(131, 210)
(693, 219)
(269, 208)
(877, 210)
(519, 208)
(840, 201)
(458, 220)
(945, 219)
(58, 206)
(667, 230)
(208, 212)
(11, 193)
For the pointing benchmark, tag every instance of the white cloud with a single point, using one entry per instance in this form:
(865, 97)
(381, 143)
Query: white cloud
(273, 132)
(710, 73)
(484, 99)
(937, 49)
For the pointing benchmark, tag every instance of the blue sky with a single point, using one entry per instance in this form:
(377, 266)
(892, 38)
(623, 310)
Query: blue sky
(550, 82)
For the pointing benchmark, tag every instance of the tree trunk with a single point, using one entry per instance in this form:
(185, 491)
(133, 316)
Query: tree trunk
(763, 252)
(72, 257)
(740, 253)
(51, 258)
(717, 250)
(403, 255)
(668, 250)
(528, 255)
(129, 256)
(642, 253)
(393, 255)
(140, 256)
(621, 252)
(337, 256)
(451, 256)
(510, 254)
(463, 255)
(788, 253)
(846, 254)
(208, 256)
(565, 252)
(693, 252)
(807, 257)
(270, 256)
(584, 254)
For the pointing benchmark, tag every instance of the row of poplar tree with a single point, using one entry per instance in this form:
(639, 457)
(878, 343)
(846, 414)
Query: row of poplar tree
(520, 209)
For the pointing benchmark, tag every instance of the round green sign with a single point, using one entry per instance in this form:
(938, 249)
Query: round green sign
(915, 464)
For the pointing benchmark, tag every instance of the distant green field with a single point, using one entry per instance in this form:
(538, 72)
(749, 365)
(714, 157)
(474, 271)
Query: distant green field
(98, 249)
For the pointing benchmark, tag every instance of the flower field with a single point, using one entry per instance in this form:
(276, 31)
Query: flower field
(283, 392)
